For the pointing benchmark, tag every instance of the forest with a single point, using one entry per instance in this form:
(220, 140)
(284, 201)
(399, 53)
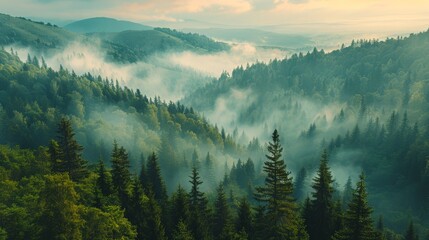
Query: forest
(71, 171)
(322, 145)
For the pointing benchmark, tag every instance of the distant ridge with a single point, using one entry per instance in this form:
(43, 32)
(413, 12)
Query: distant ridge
(104, 24)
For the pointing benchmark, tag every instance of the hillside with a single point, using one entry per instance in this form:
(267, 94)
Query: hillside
(39, 35)
(103, 24)
(144, 43)
(123, 47)
(33, 99)
(366, 103)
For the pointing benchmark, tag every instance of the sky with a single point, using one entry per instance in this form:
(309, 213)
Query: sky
(318, 16)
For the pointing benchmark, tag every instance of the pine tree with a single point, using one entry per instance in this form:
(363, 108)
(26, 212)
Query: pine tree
(103, 181)
(222, 228)
(198, 206)
(244, 218)
(347, 193)
(300, 184)
(138, 217)
(179, 207)
(321, 222)
(143, 174)
(66, 153)
(154, 228)
(121, 176)
(155, 180)
(282, 217)
(357, 220)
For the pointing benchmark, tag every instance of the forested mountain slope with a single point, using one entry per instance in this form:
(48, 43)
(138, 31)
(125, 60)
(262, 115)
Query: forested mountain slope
(367, 103)
(103, 24)
(33, 98)
(123, 47)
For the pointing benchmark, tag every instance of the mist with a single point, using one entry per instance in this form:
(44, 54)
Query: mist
(169, 75)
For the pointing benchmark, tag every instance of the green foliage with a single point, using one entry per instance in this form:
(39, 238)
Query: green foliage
(59, 211)
(320, 219)
(155, 181)
(121, 177)
(358, 224)
(107, 224)
(182, 232)
(66, 153)
(282, 218)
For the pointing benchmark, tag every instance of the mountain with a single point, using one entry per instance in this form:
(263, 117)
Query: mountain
(366, 103)
(103, 24)
(24, 32)
(123, 47)
(256, 37)
(144, 43)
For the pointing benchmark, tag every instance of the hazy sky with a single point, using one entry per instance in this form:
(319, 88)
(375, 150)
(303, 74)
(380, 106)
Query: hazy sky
(281, 15)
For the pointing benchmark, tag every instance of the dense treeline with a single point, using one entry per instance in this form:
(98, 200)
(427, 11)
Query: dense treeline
(50, 193)
(367, 103)
(33, 98)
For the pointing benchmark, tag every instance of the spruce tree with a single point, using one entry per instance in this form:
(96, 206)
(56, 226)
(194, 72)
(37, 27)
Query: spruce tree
(156, 183)
(321, 222)
(347, 193)
(154, 228)
(283, 221)
(358, 224)
(66, 153)
(198, 224)
(138, 217)
(121, 176)
(179, 207)
(222, 228)
(244, 218)
(103, 181)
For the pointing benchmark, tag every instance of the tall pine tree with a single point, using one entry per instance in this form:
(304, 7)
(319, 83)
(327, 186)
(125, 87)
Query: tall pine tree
(156, 183)
(358, 224)
(282, 216)
(198, 224)
(121, 176)
(66, 153)
(321, 218)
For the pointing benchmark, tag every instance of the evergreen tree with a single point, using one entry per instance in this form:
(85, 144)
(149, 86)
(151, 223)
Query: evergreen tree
(143, 174)
(155, 180)
(321, 222)
(300, 184)
(198, 206)
(282, 217)
(138, 217)
(179, 208)
(182, 232)
(154, 229)
(244, 218)
(121, 176)
(222, 228)
(59, 218)
(357, 220)
(66, 153)
(347, 193)
(103, 181)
